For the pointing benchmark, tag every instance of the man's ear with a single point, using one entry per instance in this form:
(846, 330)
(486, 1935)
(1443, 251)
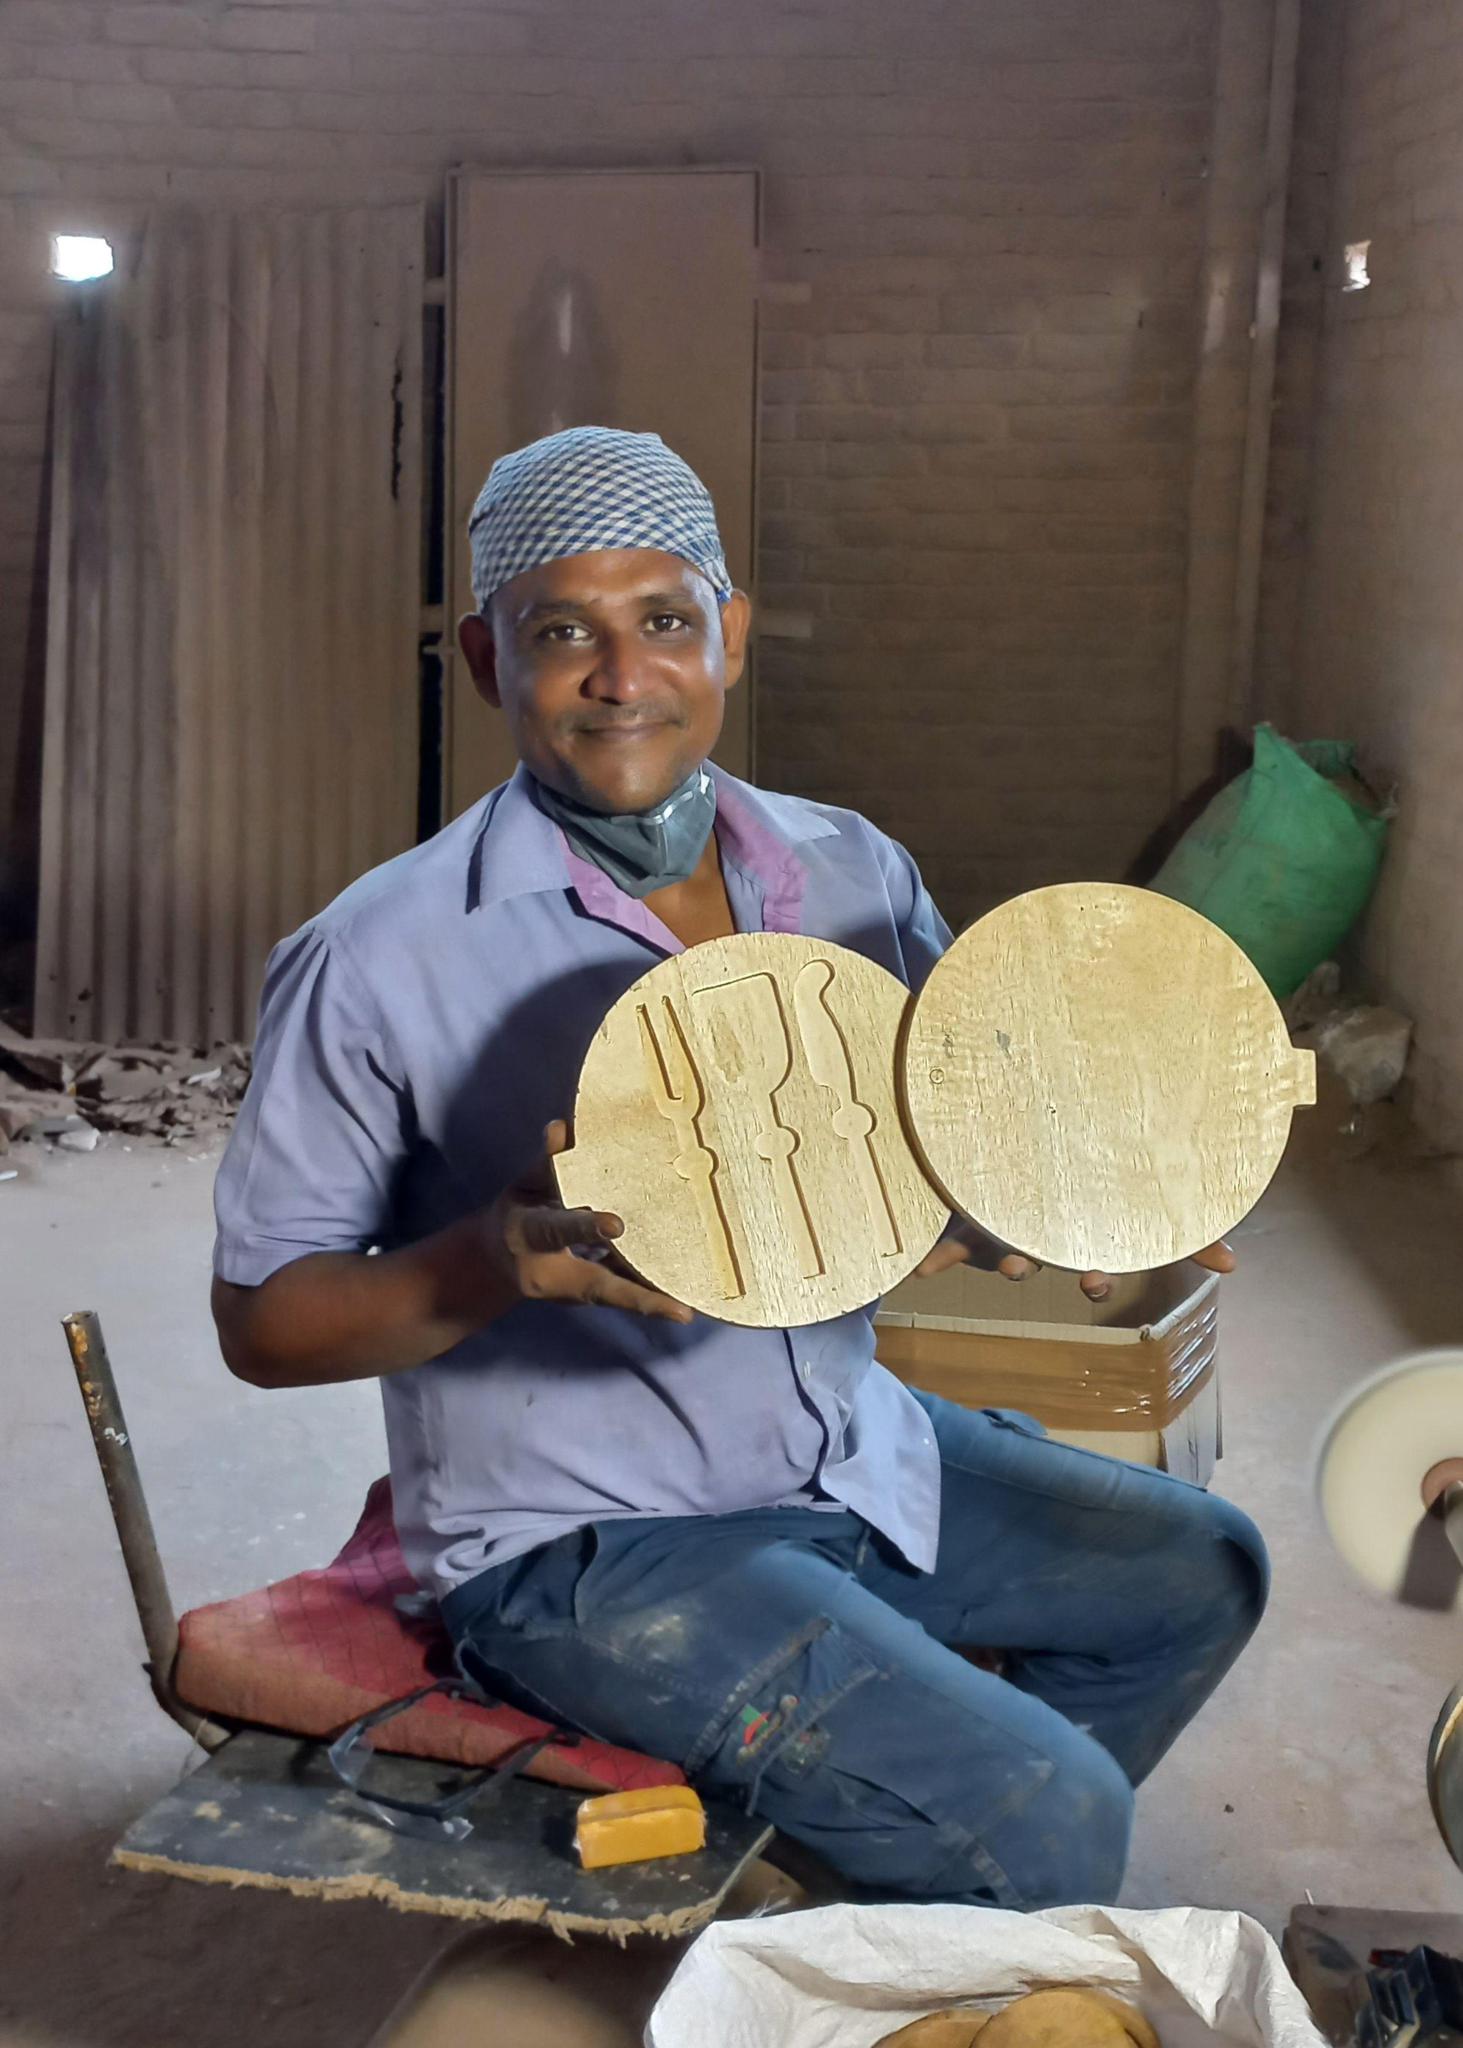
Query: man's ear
(475, 638)
(736, 627)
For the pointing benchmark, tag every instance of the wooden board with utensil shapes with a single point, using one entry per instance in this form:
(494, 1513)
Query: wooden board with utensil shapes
(738, 1109)
(1098, 1076)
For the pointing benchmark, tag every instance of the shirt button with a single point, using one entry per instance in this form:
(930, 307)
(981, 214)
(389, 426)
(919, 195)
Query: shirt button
(926, 1442)
(807, 1369)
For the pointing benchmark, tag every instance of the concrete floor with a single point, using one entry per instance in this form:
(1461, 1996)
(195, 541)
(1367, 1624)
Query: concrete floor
(1306, 1775)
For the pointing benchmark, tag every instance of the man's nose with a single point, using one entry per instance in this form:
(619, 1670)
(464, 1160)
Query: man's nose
(620, 670)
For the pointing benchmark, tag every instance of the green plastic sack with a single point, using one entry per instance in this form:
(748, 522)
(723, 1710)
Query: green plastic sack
(1282, 859)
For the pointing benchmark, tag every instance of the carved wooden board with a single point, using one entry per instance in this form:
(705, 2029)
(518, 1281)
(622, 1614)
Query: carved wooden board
(1098, 1076)
(738, 1110)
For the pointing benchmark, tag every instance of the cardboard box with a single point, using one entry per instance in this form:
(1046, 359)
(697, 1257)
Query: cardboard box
(1135, 1376)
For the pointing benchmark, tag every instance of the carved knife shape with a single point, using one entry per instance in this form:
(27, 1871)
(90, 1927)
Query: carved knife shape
(831, 1066)
(747, 1031)
(680, 1098)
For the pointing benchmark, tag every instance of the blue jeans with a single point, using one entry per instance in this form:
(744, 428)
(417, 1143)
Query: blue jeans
(789, 1659)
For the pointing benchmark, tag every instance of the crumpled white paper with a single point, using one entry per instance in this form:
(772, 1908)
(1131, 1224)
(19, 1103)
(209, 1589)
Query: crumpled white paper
(844, 1976)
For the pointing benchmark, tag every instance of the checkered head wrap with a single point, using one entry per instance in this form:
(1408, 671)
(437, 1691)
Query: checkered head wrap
(585, 489)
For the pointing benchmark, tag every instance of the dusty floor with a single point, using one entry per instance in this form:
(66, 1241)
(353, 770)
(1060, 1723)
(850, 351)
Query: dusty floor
(1306, 1775)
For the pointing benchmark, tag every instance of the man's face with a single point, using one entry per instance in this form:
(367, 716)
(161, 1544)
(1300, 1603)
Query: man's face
(611, 669)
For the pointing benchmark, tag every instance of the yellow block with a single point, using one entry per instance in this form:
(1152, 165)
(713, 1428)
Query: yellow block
(636, 1827)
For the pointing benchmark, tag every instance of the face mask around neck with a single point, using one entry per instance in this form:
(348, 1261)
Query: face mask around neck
(640, 851)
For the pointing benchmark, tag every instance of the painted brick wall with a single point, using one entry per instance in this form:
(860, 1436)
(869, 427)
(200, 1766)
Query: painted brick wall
(976, 424)
(1377, 651)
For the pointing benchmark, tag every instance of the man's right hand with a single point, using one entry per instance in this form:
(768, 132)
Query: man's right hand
(333, 1316)
(538, 1248)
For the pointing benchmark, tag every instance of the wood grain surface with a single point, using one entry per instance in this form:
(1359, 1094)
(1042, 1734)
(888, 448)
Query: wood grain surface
(738, 1110)
(1099, 1077)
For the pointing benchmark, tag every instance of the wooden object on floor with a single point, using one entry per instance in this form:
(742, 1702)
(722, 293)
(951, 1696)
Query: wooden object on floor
(1327, 1949)
(267, 1810)
(513, 1987)
(738, 1109)
(1098, 1076)
(509, 1988)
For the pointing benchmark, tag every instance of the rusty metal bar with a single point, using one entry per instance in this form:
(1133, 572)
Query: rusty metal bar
(123, 1481)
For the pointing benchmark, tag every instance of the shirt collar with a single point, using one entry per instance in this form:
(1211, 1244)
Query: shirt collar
(519, 851)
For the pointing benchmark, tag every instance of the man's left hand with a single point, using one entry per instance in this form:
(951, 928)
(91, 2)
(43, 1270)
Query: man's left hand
(965, 1245)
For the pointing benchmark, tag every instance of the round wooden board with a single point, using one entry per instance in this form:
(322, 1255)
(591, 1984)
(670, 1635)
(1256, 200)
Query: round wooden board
(738, 1111)
(1098, 1076)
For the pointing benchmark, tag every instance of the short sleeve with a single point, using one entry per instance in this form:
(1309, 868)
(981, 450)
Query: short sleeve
(923, 933)
(324, 1128)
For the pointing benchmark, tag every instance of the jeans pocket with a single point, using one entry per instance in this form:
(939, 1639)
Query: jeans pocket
(772, 1714)
(893, 1782)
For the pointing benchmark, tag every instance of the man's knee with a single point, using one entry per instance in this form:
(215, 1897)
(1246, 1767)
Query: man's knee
(1069, 1844)
(1218, 1578)
(1055, 1832)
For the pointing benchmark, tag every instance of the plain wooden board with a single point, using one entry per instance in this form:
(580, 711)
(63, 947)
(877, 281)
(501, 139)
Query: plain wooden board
(267, 1810)
(738, 1110)
(1097, 1076)
(597, 298)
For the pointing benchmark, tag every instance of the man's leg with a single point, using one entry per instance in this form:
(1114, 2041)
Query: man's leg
(1123, 1595)
(744, 1648)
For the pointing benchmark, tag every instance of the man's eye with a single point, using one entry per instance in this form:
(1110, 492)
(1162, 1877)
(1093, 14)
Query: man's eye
(668, 622)
(566, 630)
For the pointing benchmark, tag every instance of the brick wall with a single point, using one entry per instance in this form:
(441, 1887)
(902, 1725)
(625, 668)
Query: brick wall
(976, 430)
(1377, 650)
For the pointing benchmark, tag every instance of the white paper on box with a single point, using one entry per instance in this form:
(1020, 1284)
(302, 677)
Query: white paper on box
(844, 1976)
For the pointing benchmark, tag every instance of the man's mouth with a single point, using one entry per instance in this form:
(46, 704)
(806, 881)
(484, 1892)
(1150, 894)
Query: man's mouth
(639, 729)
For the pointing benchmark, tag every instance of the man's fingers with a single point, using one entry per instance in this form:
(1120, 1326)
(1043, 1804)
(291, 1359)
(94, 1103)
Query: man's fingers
(961, 1251)
(560, 1230)
(947, 1253)
(537, 1182)
(1217, 1258)
(609, 1290)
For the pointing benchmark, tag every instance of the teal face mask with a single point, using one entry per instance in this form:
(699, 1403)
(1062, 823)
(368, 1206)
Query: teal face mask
(641, 851)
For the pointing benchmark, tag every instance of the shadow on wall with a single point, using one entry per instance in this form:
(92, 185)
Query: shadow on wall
(1413, 1265)
(563, 367)
(1234, 752)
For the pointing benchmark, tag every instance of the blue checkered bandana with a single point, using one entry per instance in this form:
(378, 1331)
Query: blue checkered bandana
(585, 489)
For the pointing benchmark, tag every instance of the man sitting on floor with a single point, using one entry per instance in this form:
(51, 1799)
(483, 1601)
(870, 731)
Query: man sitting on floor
(750, 1551)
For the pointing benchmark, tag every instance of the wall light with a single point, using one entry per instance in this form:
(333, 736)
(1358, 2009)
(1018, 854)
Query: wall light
(1358, 276)
(78, 258)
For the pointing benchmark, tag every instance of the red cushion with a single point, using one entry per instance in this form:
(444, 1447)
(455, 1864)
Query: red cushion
(313, 1653)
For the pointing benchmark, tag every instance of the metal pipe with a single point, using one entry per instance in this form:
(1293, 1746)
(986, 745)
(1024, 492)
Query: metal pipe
(113, 1445)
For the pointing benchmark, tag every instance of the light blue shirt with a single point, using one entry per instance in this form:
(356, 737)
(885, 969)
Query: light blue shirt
(414, 1039)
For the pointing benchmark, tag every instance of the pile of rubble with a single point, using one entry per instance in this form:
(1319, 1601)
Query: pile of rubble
(69, 1093)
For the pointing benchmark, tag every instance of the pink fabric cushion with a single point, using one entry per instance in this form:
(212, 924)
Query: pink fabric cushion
(313, 1653)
